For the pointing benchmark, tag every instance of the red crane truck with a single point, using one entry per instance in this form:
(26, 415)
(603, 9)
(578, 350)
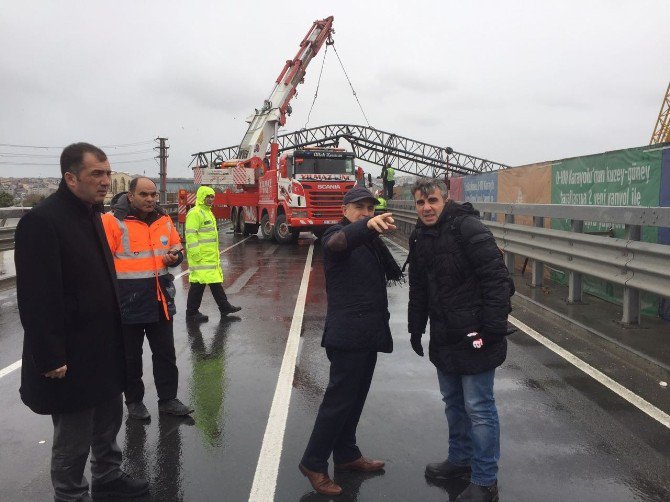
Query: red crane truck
(300, 191)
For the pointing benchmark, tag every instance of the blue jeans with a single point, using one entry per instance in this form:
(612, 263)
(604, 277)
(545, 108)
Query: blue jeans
(474, 429)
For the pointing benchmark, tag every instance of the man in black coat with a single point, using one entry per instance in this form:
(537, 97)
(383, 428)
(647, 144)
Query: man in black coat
(73, 361)
(458, 279)
(357, 266)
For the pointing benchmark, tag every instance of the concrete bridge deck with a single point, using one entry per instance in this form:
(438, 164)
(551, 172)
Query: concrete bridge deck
(565, 435)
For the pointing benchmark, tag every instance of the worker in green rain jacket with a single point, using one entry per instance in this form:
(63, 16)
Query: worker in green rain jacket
(202, 251)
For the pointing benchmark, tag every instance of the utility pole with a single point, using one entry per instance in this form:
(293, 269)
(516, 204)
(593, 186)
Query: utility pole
(162, 158)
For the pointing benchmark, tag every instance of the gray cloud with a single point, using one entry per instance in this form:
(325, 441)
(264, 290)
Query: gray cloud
(516, 82)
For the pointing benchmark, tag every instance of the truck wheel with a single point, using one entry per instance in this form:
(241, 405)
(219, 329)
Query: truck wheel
(267, 229)
(283, 233)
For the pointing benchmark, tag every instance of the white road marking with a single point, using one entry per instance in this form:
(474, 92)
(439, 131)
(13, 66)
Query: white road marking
(241, 281)
(265, 478)
(221, 252)
(615, 387)
(14, 366)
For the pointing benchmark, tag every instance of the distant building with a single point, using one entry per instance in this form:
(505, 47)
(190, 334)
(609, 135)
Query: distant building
(173, 185)
(120, 182)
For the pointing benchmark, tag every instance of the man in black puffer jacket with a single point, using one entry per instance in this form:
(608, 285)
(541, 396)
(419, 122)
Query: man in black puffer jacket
(357, 266)
(458, 279)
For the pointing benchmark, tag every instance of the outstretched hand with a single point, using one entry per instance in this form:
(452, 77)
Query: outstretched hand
(382, 223)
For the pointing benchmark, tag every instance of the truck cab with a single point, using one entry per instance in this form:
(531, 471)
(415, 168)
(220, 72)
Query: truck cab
(311, 183)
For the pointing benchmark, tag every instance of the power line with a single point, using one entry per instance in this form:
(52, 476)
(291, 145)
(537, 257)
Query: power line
(9, 154)
(30, 146)
(122, 145)
(53, 164)
(128, 144)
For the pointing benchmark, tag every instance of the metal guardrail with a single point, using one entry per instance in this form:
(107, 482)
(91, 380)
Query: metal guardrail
(637, 266)
(7, 238)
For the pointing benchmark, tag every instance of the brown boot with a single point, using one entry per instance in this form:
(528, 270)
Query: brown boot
(361, 464)
(321, 482)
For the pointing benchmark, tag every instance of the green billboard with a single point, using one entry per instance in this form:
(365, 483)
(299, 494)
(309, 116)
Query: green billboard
(621, 178)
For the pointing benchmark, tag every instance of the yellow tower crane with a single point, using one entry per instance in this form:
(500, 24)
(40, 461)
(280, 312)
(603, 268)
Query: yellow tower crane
(661, 132)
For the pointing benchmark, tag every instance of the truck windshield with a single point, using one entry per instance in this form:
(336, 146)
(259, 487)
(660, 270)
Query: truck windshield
(323, 166)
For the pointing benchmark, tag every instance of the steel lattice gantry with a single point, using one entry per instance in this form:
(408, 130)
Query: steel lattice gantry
(374, 146)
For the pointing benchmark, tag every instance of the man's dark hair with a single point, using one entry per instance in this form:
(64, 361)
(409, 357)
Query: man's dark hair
(72, 158)
(427, 186)
(132, 186)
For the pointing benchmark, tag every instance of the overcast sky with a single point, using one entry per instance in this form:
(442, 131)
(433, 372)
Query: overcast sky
(511, 81)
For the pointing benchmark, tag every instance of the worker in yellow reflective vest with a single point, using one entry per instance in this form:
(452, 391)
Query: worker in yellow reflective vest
(202, 252)
(380, 208)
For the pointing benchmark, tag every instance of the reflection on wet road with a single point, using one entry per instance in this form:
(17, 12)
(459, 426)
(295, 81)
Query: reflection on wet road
(563, 436)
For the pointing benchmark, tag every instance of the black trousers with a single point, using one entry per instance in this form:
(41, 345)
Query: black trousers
(195, 292)
(75, 434)
(335, 427)
(161, 341)
(389, 189)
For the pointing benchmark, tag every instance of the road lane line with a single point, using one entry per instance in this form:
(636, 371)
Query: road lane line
(615, 387)
(241, 281)
(265, 478)
(220, 253)
(14, 366)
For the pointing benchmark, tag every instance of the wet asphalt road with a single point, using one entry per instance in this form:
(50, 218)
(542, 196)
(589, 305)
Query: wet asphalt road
(564, 437)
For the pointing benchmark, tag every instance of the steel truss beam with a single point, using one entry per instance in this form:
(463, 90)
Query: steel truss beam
(374, 146)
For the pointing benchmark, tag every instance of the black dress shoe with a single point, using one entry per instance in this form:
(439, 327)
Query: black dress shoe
(122, 487)
(174, 407)
(476, 493)
(138, 411)
(230, 309)
(447, 470)
(197, 317)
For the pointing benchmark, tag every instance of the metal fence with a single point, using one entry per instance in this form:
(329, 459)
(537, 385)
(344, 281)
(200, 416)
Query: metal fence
(635, 265)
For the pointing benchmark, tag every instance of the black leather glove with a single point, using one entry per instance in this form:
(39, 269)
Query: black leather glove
(415, 340)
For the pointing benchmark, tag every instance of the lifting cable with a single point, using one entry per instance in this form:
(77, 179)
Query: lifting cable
(352, 87)
(316, 93)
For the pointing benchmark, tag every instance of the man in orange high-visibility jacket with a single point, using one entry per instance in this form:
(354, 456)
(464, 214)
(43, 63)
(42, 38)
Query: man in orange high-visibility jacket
(144, 243)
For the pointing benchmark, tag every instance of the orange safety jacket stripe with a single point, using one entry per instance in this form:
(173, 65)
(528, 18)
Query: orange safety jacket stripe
(138, 249)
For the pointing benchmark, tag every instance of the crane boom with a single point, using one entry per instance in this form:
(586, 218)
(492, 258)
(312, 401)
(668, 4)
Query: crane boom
(264, 123)
(661, 132)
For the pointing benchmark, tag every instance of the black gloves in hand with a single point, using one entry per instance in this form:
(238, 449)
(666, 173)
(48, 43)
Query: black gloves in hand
(415, 340)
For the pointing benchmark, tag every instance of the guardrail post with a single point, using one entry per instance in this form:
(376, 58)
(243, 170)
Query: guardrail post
(537, 269)
(575, 278)
(631, 297)
(487, 216)
(509, 257)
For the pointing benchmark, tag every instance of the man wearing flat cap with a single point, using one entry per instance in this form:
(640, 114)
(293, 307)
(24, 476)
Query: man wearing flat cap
(357, 265)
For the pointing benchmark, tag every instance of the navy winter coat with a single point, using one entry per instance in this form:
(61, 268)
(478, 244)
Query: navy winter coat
(358, 316)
